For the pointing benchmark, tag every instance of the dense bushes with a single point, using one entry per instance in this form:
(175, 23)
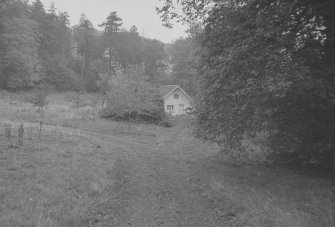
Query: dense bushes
(268, 86)
(154, 116)
(131, 97)
(140, 116)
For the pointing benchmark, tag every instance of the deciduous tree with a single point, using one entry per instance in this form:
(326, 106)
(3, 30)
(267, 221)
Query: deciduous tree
(19, 61)
(265, 71)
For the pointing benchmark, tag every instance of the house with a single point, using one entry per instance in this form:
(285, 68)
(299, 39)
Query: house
(176, 100)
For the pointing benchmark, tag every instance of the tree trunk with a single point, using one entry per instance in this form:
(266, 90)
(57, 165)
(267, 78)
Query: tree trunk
(82, 67)
(40, 132)
(110, 56)
(102, 100)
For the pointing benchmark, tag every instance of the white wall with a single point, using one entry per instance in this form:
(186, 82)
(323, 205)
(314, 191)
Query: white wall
(182, 99)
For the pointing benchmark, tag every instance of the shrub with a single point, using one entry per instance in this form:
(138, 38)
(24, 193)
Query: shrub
(152, 116)
(132, 97)
(75, 100)
(39, 100)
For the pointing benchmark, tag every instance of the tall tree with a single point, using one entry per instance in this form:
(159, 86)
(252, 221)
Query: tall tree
(19, 62)
(153, 57)
(55, 46)
(183, 60)
(87, 43)
(133, 30)
(266, 75)
(37, 11)
(128, 48)
(111, 27)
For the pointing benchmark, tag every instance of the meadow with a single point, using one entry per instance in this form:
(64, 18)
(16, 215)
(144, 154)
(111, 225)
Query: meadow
(93, 172)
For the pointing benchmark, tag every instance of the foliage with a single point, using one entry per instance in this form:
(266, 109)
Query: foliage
(122, 47)
(132, 96)
(88, 44)
(55, 47)
(75, 100)
(153, 58)
(39, 100)
(111, 27)
(183, 61)
(266, 76)
(19, 62)
(38, 47)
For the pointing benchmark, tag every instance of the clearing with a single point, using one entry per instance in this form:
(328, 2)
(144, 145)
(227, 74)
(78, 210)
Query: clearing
(100, 173)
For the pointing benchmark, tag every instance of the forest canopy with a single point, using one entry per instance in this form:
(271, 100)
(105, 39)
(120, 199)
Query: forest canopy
(39, 48)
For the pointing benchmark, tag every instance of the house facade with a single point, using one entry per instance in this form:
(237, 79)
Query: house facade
(176, 100)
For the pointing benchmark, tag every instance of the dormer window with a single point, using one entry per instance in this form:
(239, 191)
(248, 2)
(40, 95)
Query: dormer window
(176, 96)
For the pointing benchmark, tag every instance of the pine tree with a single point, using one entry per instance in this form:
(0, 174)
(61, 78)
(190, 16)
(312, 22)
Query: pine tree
(111, 27)
(87, 47)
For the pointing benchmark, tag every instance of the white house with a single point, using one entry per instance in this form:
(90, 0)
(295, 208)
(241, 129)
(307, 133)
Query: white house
(176, 100)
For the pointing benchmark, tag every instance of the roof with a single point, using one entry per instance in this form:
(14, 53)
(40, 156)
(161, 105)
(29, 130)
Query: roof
(166, 90)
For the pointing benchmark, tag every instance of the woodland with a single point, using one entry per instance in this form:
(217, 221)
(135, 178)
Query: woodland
(39, 49)
(265, 75)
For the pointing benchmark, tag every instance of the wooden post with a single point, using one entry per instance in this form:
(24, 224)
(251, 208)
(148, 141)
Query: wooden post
(20, 135)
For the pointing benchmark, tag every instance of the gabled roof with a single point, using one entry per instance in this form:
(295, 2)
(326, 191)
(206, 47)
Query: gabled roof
(169, 89)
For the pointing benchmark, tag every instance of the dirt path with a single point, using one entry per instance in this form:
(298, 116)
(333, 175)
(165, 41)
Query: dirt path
(68, 131)
(158, 185)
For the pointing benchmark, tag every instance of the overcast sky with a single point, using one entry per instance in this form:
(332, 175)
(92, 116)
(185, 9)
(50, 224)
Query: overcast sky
(141, 13)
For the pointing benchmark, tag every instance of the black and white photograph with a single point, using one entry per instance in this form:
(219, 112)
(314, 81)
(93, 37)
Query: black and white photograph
(167, 113)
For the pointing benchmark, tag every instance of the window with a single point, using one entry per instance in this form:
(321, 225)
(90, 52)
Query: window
(176, 96)
(169, 107)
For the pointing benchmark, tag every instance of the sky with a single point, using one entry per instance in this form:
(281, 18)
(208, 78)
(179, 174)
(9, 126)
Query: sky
(140, 13)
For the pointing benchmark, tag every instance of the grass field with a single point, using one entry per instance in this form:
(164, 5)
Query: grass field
(101, 173)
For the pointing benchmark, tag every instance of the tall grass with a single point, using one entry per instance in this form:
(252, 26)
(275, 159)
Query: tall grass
(280, 199)
(54, 185)
(14, 107)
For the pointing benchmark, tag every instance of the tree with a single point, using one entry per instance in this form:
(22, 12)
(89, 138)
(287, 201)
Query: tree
(39, 100)
(103, 86)
(76, 101)
(132, 96)
(129, 48)
(39, 49)
(134, 31)
(19, 61)
(87, 47)
(132, 49)
(37, 11)
(153, 57)
(111, 27)
(183, 61)
(55, 45)
(266, 76)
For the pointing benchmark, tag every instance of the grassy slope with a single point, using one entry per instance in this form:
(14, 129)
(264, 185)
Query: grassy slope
(145, 176)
